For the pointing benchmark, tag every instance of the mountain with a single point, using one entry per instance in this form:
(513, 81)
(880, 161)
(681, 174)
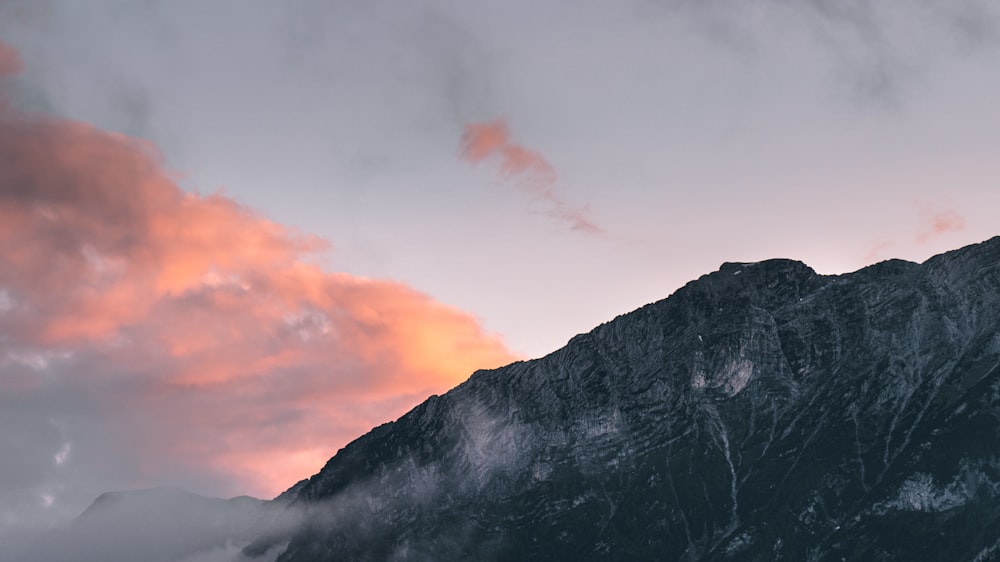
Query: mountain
(761, 412)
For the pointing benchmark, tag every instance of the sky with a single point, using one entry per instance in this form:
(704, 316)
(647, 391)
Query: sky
(236, 234)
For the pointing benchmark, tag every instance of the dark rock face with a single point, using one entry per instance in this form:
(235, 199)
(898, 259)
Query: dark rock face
(762, 412)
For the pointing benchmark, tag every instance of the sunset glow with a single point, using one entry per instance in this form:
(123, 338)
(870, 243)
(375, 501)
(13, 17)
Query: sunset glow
(242, 354)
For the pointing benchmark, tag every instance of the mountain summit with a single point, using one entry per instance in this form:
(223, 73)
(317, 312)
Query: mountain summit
(761, 412)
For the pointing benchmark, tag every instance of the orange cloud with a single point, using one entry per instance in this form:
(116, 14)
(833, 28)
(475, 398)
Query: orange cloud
(216, 344)
(482, 140)
(523, 168)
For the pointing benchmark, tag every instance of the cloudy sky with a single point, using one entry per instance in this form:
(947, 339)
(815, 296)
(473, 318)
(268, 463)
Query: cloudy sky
(235, 234)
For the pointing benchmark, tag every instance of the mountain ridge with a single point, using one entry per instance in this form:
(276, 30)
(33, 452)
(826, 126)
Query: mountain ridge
(760, 412)
(718, 397)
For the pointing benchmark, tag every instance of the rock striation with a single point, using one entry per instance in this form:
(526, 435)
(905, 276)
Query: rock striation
(761, 412)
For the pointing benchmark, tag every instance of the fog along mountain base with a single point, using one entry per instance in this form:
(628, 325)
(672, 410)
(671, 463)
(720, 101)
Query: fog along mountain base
(761, 412)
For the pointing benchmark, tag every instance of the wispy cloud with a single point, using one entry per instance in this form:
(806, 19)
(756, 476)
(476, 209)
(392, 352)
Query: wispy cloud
(937, 221)
(934, 221)
(185, 339)
(876, 250)
(526, 169)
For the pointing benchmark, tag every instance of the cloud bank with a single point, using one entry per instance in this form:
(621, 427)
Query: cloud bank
(524, 168)
(152, 336)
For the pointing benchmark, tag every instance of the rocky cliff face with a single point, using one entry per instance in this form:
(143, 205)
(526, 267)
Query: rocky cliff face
(762, 412)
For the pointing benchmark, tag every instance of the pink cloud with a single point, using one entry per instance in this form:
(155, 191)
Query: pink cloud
(524, 168)
(876, 250)
(203, 335)
(936, 221)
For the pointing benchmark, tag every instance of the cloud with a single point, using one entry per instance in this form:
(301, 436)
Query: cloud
(523, 168)
(936, 221)
(151, 336)
(876, 250)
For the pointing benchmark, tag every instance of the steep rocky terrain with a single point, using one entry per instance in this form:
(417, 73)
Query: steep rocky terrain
(762, 412)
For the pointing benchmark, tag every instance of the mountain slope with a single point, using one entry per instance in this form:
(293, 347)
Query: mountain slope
(762, 412)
